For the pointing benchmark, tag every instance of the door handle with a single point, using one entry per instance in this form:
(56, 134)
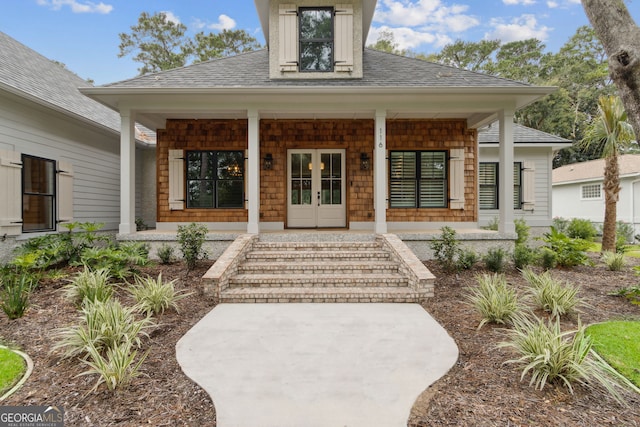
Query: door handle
(318, 198)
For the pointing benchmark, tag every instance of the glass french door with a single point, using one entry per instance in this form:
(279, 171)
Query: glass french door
(316, 188)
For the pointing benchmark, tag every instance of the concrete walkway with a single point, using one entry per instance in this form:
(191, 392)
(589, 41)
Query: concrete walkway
(306, 365)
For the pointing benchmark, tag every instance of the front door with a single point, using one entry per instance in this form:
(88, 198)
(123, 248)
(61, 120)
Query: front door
(316, 188)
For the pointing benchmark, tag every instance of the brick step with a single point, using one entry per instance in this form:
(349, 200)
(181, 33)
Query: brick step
(314, 267)
(309, 255)
(334, 280)
(316, 246)
(326, 295)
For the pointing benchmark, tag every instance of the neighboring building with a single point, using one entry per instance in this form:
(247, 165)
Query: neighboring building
(533, 158)
(317, 131)
(59, 150)
(578, 192)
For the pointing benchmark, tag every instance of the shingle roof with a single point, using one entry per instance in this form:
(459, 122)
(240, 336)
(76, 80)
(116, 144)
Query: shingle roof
(252, 70)
(594, 169)
(27, 73)
(521, 135)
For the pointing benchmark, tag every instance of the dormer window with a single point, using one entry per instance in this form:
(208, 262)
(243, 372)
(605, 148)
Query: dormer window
(316, 39)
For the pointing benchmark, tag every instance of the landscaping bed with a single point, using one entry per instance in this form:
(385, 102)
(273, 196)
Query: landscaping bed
(479, 390)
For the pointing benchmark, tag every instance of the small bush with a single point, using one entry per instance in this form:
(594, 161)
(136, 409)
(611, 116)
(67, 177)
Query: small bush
(467, 258)
(191, 238)
(15, 294)
(102, 325)
(560, 224)
(548, 258)
(153, 296)
(551, 356)
(492, 225)
(523, 256)
(116, 368)
(165, 253)
(551, 295)
(494, 299)
(581, 229)
(631, 293)
(569, 252)
(522, 230)
(495, 260)
(88, 285)
(614, 261)
(446, 250)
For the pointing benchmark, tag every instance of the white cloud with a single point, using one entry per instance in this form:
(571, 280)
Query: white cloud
(552, 4)
(171, 17)
(224, 23)
(519, 2)
(430, 13)
(78, 6)
(564, 4)
(521, 28)
(408, 38)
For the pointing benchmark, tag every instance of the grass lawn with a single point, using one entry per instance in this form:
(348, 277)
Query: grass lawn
(618, 342)
(632, 250)
(12, 368)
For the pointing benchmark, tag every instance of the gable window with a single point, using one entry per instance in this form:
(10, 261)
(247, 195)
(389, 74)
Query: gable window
(316, 39)
(215, 179)
(418, 179)
(591, 191)
(38, 194)
(488, 185)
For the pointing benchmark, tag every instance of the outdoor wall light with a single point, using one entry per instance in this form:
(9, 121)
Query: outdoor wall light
(365, 162)
(268, 161)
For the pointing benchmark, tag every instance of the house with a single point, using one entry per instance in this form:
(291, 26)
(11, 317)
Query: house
(533, 156)
(578, 192)
(59, 150)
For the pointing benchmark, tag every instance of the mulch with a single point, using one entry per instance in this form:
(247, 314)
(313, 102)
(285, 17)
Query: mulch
(480, 390)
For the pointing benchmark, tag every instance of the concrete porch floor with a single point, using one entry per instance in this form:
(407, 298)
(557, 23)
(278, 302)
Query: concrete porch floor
(315, 364)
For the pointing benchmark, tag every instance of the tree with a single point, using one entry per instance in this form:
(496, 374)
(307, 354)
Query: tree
(160, 44)
(519, 60)
(621, 39)
(472, 56)
(386, 43)
(225, 43)
(611, 132)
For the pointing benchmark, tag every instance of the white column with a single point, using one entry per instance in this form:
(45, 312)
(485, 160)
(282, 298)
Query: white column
(127, 172)
(506, 224)
(253, 173)
(380, 172)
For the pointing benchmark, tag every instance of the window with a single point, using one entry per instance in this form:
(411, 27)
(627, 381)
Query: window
(418, 179)
(215, 179)
(591, 191)
(38, 194)
(316, 39)
(488, 185)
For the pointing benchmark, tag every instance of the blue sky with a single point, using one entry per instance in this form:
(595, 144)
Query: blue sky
(83, 34)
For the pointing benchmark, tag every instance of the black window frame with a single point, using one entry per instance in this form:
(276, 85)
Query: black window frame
(418, 178)
(330, 40)
(52, 197)
(215, 179)
(517, 186)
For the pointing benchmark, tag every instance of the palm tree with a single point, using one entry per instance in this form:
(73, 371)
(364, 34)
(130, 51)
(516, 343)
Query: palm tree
(612, 133)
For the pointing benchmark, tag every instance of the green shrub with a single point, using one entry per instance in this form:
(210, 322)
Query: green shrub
(14, 295)
(467, 258)
(547, 258)
(494, 299)
(569, 252)
(117, 367)
(632, 293)
(615, 261)
(89, 285)
(153, 296)
(523, 256)
(191, 238)
(582, 229)
(102, 325)
(492, 225)
(117, 259)
(551, 295)
(495, 259)
(446, 250)
(551, 356)
(165, 253)
(560, 224)
(522, 230)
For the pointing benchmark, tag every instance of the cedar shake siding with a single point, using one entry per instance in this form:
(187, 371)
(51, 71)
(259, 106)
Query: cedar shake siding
(354, 136)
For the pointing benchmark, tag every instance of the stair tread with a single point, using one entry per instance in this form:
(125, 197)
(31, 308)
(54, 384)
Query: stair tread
(316, 291)
(324, 276)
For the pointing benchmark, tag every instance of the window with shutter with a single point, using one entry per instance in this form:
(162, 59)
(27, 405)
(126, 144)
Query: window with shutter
(488, 185)
(523, 185)
(38, 194)
(10, 193)
(316, 39)
(418, 179)
(344, 37)
(215, 179)
(288, 37)
(176, 180)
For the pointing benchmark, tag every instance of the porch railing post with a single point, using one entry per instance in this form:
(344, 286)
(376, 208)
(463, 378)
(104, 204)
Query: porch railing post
(506, 224)
(380, 172)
